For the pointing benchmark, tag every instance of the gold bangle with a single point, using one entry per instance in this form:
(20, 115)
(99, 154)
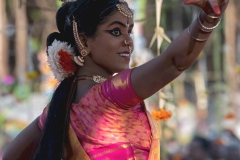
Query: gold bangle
(210, 16)
(196, 39)
(204, 28)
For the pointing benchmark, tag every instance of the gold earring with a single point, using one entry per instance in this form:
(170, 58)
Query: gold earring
(78, 59)
(84, 52)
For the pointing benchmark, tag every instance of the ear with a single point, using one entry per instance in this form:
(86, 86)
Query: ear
(83, 38)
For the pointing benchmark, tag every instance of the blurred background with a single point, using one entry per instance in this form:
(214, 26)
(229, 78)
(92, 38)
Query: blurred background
(204, 100)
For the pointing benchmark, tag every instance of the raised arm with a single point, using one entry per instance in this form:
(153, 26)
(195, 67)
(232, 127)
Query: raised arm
(181, 53)
(24, 145)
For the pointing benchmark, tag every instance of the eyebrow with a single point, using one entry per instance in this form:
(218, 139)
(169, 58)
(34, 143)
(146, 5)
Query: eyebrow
(120, 23)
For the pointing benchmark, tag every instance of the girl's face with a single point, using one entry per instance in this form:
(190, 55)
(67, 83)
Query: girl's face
(112, 46)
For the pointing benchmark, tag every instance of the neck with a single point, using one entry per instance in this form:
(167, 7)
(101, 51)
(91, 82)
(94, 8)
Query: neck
(90, 68)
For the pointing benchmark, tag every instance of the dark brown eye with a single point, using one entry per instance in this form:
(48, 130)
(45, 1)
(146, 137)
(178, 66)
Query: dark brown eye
(115, 32)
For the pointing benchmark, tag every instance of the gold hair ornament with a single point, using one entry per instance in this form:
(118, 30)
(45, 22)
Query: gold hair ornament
(123, 9)
(79, 59)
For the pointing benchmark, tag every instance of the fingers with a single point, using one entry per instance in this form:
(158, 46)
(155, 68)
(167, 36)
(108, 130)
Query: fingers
(195, 2)
(223, 5)
(215, 7)
(188, 2)
(209, 6)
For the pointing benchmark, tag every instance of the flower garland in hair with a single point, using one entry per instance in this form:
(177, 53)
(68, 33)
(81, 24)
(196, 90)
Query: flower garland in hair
(60, 59)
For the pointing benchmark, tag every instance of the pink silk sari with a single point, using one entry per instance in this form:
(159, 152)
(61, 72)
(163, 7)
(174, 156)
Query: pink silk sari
(110, 122)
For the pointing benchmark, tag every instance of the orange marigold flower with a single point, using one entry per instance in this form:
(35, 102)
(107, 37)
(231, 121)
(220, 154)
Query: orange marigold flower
(66, 61)
(161, 115)
(230, 116)
(52, 82)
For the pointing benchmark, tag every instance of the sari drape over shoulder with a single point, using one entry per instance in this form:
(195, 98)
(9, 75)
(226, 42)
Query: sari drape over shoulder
(111, 122)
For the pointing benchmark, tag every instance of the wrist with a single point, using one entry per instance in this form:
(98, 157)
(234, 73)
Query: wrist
(207, 23)
(209, 20)
(203, 26)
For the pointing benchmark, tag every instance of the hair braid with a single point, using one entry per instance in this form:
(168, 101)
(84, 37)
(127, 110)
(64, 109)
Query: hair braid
(53, 135)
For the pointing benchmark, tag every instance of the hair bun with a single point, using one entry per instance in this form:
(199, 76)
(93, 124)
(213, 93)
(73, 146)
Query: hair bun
(54, 36)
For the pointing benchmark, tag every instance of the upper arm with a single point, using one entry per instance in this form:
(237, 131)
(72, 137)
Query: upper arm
(148, 78)
(25, 144)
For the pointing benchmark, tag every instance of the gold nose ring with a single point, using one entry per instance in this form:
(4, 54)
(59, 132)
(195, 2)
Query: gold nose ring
(130, 49)
(125, 42)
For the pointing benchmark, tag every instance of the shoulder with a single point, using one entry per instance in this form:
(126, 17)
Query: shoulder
(82, 88)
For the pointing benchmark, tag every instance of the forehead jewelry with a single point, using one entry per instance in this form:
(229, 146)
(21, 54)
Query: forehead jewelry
(123, 9)
(127, 24)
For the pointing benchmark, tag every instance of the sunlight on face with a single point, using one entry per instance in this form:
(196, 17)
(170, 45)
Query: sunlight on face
(112, 46)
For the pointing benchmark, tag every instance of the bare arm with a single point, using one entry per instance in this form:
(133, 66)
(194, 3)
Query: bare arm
(181, 53)
(25, 144)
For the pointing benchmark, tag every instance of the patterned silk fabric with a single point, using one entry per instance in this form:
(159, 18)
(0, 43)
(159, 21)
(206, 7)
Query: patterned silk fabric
(110, 122)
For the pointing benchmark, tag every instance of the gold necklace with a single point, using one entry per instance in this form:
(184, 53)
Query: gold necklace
(95, 78)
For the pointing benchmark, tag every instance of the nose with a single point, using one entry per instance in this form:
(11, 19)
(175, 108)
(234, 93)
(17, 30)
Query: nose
(128, 42)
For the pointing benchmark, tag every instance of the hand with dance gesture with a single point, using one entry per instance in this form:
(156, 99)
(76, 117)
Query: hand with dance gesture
(210, 7)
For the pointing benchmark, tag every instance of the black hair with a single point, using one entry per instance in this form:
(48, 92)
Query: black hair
(88, 14)
(54, 131)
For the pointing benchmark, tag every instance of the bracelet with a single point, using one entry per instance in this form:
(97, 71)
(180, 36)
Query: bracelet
(196, 39)
(210, 16)
(204, 28)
